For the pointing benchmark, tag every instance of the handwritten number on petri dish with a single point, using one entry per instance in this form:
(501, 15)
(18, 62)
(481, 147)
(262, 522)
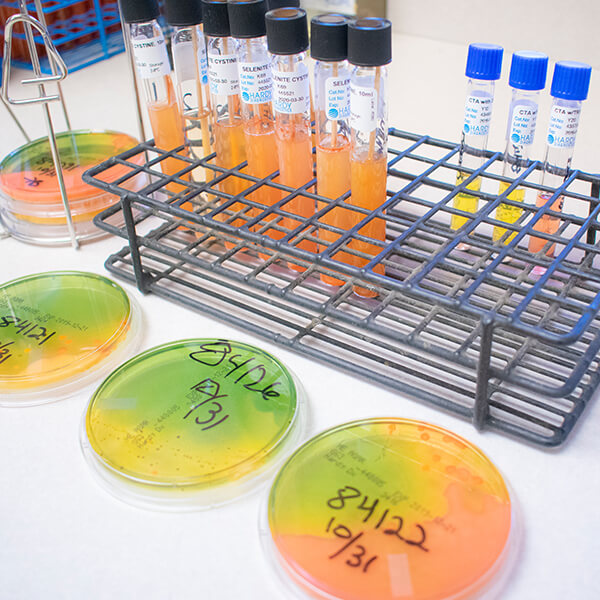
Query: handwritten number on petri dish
(348, 493)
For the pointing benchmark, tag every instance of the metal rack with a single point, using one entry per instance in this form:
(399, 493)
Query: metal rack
(483, 329)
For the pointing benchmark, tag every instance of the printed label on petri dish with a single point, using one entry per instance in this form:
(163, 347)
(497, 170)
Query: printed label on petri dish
(255, 82)
(337, 97)
(151, 58)
(384, 509)
(363, 108)
(562, 129)
(478, 114)
(56, 327)
(291, 91)
(192, 416)
(223, 74)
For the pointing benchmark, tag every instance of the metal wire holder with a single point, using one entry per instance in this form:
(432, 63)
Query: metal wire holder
(492, 333)
(58, 73)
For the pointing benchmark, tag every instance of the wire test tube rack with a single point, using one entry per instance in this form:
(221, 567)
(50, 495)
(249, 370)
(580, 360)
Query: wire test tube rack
(474, 332)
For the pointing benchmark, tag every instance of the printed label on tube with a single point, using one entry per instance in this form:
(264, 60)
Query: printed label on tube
(291, 91)
(522, 124)
(337, 97)
(478, 114)
(363, 108)
(151, 58)
(562, 129)
(203, 62)
(223, 74)
(255, 82)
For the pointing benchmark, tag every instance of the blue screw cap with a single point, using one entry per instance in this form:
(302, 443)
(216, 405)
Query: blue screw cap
(528, 70)
(484, 61)
(571, 80)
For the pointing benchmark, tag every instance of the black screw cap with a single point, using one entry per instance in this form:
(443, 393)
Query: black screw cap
(287, 31)
(370, 42)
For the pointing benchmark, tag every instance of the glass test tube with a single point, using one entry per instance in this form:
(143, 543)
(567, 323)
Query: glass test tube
(570, 86)
(224, 83)
(287, 38)
(527, 78)
(247, 21)
(154, 70)
(484, 64)
(191, 75)
(369, 50)
(329, 48)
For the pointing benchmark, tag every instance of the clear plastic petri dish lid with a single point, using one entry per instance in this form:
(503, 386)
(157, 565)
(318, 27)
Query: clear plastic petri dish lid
(192, 424)
(31, 204)
(60, 331)
(388, 509)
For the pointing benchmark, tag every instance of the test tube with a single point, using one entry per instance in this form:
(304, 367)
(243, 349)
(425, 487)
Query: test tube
(224, 86)
(191, 75)
(369, 50)
(287, 39)
(484, 64)
(154, 70)
(247, 21)
(527, 78)
(329, 48)
(570, 86)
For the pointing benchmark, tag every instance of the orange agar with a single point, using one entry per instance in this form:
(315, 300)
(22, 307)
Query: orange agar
(294, 145)
(333, 180)
(167, 128)
(370, 511)
(230, 146)
(263, 160)
(547, 224)
(368, 184)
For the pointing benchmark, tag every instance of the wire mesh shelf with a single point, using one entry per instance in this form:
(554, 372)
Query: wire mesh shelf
(483, 329)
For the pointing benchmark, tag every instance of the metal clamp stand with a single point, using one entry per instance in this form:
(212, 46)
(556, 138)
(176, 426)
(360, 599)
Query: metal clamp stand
(59, 72)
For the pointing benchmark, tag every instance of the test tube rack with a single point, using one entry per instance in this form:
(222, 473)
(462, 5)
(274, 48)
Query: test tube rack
(473, 331)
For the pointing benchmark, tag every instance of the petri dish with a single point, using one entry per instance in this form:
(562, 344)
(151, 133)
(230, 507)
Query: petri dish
(59, 331)
(31, 205)
(388, 509)
(192, 424)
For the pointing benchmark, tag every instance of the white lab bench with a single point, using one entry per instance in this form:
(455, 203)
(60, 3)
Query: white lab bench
(61, 536)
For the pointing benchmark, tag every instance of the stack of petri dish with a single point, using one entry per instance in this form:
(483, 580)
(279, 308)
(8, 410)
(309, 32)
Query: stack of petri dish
(31, 205)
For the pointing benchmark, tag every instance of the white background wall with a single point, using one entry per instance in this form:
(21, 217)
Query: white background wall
(563, 29)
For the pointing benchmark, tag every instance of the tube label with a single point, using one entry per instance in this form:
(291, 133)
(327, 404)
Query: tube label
(291, 91)
(363, 108)
(522, 124)
(255, 82)
(478, 114)
(223, 74)
(203, 62)
(151, 58)
(337, 98)
(562, 129)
